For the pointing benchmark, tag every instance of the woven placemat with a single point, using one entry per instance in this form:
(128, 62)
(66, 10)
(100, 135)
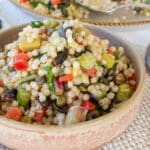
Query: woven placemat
(137, 135)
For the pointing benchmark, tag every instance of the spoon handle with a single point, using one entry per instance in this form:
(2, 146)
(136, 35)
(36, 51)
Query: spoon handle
(140, 5)
(128, 5)
(134, 5)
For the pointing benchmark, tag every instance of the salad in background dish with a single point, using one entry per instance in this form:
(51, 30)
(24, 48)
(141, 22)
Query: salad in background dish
(70, 9)
(61, 74)
(109, 4)
(56, 8)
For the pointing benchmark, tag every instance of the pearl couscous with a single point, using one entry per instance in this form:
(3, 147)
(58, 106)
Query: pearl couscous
(109, 4)
(61, 74)
(70, 9)
(56, 8)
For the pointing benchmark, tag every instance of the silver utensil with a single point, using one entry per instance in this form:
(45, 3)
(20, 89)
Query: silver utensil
(147, 58)
(111, 10)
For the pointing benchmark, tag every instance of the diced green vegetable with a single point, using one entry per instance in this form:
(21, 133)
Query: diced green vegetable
(52, 24)
(82, 89)
(47, 68)
(69, 12)
(104, 80)
(65, 9)
(26, 119)
(23, 97)
(34, 4)
(36, 24)
(64, 12)
(61, 101)
(118, 54)
(25, 79)
(110, 61)
(124, 92)
(87, 60)
(92, 115)
(103, 94)
(50, 77)
(99, 63)
(125, 60)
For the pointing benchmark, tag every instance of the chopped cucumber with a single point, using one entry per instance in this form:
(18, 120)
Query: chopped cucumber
(61, 101)
(103, 94)
(51, 24)
(87, 60)
(124, 92)
(110, 61)
(26, 119)
(25, 79)
(69, 12)
(125, 60)
(118, 53)
(34, 4)
(23, 97)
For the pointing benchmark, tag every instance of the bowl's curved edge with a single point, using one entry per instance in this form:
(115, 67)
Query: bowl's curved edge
(101, 124)
(38, 15)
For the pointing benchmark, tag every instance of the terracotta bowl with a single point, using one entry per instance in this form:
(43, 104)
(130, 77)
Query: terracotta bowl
(83, 136)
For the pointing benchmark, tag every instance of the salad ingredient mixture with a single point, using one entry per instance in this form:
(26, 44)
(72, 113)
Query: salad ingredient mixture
(56, 8)
(70, 9)
(61, 74)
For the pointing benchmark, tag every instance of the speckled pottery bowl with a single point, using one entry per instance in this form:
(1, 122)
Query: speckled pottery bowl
(83, 136)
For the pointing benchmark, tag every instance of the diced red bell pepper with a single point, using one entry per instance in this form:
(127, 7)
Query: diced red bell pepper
(55, 2)
(88, 105)
(38, 116)
(14, 113)
(133, 87)
(75, 98)
(132, 77)
(110, 51)
(1, 84)
(20, 64)
(23, 1)
(22, 55)
(91, 72)
(20, 61)
(66, 78)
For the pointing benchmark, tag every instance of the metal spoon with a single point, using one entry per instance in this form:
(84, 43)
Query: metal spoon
(115, 8)
(147, 58)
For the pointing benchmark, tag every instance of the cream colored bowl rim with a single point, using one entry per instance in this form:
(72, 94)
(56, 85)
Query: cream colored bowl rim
(103, 120)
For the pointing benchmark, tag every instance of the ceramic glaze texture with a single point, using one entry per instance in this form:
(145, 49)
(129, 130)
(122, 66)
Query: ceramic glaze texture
(87, 135)
(89, 138)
